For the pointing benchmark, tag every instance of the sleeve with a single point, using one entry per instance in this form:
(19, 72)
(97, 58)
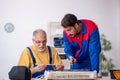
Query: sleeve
(67, 47)
(94, 49)
(56, 58)
(24, 59)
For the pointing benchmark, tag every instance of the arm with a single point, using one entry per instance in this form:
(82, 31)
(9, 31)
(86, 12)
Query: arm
(56, 60)
(67, 47)
(94, 49)
(25, 60)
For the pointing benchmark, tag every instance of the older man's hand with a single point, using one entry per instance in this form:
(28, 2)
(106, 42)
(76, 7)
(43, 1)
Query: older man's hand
(59, 67)
(38, 68)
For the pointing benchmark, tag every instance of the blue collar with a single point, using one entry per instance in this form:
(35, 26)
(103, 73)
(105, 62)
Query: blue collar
(83, 28)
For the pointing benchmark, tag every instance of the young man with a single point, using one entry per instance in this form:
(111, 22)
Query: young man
(39, 56)
(82, 42)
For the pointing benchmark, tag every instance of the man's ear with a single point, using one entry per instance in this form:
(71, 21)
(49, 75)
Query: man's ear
(76, 25)
(32, 39)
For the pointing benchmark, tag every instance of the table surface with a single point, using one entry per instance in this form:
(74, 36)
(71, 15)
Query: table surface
(103, 78)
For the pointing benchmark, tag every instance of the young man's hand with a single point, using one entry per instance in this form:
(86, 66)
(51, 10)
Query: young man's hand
(72, 59)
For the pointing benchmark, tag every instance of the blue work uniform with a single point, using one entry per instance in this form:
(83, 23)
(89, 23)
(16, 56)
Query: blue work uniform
(85, 46)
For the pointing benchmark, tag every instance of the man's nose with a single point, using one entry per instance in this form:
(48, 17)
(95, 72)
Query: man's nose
(41, 44)
(68, 33)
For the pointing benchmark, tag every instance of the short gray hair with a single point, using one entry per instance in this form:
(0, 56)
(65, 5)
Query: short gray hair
(39, 30)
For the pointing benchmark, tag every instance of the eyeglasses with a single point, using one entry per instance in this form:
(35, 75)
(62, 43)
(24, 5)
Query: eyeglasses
(38, 42)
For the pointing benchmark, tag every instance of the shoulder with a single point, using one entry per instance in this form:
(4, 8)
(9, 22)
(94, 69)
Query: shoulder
(26, 51)
(53, 50)
(89, 22)
(89, 25)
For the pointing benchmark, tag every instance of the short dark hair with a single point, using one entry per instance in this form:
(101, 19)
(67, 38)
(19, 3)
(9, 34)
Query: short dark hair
(69, 20)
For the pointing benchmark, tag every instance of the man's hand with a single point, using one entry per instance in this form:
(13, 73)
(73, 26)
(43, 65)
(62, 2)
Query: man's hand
(59, 67)
(38, 68)
(72, 59)
(41, 67)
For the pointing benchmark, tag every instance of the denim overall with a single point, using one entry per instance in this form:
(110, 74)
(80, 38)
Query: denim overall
(48, 67)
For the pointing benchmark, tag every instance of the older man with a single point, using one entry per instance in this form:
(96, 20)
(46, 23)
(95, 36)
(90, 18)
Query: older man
(39, 56)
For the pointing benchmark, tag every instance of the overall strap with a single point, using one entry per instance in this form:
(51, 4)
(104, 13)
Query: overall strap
(38, 74)
(50, 54)
(33, 58)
